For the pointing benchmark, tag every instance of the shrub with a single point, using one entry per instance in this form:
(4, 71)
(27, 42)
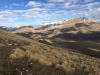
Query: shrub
(34, 57)
(1, 45)
(13, 56)
(17, 53)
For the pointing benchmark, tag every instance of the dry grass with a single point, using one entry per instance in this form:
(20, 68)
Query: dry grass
(13, 56)
(88, 47)
(94, 49)
(53, 60)
(2, 45)
(17, 53)
(65, 60)
(14, 59)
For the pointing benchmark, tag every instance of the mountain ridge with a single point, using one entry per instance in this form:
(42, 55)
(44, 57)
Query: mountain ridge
(55, 23)
(15, 29)
(72, 26)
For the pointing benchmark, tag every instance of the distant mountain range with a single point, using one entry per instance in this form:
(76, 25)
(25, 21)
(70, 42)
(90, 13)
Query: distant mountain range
(18, 29)
(70, 28)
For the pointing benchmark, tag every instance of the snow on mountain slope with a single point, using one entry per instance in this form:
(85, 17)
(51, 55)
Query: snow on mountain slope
(62, 23)
(18, 29)
(51, 29)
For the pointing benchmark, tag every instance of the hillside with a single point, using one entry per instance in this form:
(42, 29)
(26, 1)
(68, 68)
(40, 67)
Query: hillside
(23, 29)
(22, 56)
(75, 28)
(80, 35)
(18, 29)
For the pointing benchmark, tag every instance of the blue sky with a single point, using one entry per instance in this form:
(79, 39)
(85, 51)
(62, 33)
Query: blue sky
(36, 12)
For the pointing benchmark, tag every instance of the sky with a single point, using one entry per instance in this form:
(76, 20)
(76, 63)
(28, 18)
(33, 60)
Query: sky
(36, 12)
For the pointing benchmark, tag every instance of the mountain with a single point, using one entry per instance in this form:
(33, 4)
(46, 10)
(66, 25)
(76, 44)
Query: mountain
(77, 34)
(23, 29)
(18, 29)
(65, 23)
(80, 35)
(79, 28)
(23, 56)
(3, 28)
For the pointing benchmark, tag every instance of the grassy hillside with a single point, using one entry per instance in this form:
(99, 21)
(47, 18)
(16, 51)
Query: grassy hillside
(88, 47)
(19, 55)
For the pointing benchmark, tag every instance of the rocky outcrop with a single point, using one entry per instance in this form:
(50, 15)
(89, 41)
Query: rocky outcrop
(45, 41)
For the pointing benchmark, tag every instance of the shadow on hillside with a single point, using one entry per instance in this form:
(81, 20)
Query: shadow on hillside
(83, 43)
(79, 35)
(77, 25)
(81, 46)
(81, 25)
(29, 34)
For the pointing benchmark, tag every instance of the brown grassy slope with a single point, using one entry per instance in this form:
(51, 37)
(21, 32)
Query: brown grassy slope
(40, 59)
(70, 62)
(88, 47)
(4, 34)
(11, 46)
(23, 30)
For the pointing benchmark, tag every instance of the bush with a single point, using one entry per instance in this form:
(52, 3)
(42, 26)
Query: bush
(17, 53)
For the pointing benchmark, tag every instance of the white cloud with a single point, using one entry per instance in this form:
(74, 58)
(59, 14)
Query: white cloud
(5, 13)
(73, 1)
(88, 1)
(7, 19)
(34, 4)
(19, 11)
(95, 13)
(7, 16)
(41, 14)
(91, 5)
(64, 1)
(51, 10)
(81, 6)
(32, 13)
(67, 4)
(75, 6)
(15, 4)
(49, 5)
(56, 0)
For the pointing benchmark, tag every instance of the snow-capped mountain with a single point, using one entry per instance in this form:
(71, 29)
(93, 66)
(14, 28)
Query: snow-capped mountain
(68, 22)
(66, 28)
(20, 28)
(3, 28)
(74, 27)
